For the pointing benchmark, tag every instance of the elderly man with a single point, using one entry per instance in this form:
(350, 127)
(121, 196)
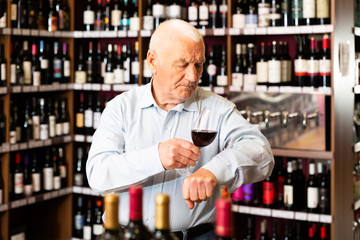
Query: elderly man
(144, 136)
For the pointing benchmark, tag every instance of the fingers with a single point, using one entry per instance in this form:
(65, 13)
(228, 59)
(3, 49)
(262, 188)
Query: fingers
(190, 204)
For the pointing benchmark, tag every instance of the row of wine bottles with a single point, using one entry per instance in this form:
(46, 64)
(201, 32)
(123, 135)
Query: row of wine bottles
(38, 119)
(34, 172)
(51, 15)
(123, 15)
(36, 65)
(290, 189)
(277, 229)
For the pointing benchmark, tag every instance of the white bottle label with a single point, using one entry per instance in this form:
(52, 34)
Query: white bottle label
(36, 182)
(1, 196)
(27, 72)
(192, 13)
(78, 179)
(97, 116)
(313, 66)
(13, 74)
(44, 131)
(211, 69)
(36, 78)
(87, 233)
(126, 71)
(148, 23)
(80, 77)
(262, 72)
(203, 12)
(118, 76)
(19, 183)
(57, 182)
(274, 70)
(238, 21)
(89, 17)
(158, 10)
(66, 68)
(36, 127)
(237, 79)
(135, 68)
(109, 78)
(3, 72)
(322, 8)
(250, 80)
(300, 65)
(88, 118)
(324, 66)
(12, 137)
(44, 64)
(52, 126)
(115, 17)
(134, 23)
(59, 129)
(221, 80)
(288, 195)
(65, 128)
(98, 229)
(48, 176)
(174, 11)
(285, 71)
(13, 12)
(312, 197)
(308, 8)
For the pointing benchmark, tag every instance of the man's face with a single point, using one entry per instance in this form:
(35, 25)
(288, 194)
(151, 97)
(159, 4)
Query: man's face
(181, 66)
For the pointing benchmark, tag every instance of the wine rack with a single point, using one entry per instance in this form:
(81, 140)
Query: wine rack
(341, 105)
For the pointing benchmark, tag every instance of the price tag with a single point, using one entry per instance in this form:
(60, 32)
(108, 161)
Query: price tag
(76, 189)
(31, 200)
(86, 191)
(63, 86)
(282, 214)
(106, 87)
(14, 204)
(121, 34)
(249, 88)
(255, 211)
(62, 192)
(47, 142)
(132, 33)
(291, 30)
(79, 138)
(78, 34)
(26, 89)
(58, 34)
(244, 209)
(234, 31)
(5, 147)
(261, 31)
(250, 31)
(4, 207)
(313, 217)
(319, 29)
(118, 87)
(68, 34)
(38, 144)
(78, 86)
(234, 208)
(23, 146)
(14, 147)
(306, 29)
(235, 89)
(3, 90)
(16, 89)
(261, 88)
(308, 90)
(34, 32)
(219, 32)
(87, 86)
(329, 28)
(89, 138)
(145, 33)
(295, 89)
(325, 218)
(42, 88)
(96, 87)
(300, 216)
(325, 90)
(54, 194)
(7, 31)
(274, 89)
(88, 34)
(47, 196)
(96, 34)
(17, 31)
(109, 34)
(219, 90)
(67, 139)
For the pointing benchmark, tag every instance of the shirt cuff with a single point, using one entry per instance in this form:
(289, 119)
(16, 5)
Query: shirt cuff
(150, 160)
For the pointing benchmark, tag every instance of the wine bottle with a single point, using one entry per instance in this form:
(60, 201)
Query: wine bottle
(44, 121)
(285, 60)
(27, 178)
(116, 16)
(97, 113)
(148, 18)
(64, 15)
(2, 123)
(238, 18)
(323, 11)
(35, 174)
(98, 74)
(223, 220)
(2, 66)
(118, 66)
(213, 11)
(111, 224)
(300, 65)
(126, 51)
(296, 12)
(88, 116)
(158, 11)
(57, 64)
(35, 67)
(251, 15)
(44, 63)
(269, 190)
(79, 172)
(289, 190)
(250, 77)
(48, 172)
(136, 230)
(285, 12)
(263, 230)
(237, 196)
(134, 22)
(281, 173)
(18, 178)
(65, 63)
(211, 68)
(312, 189)
(27, 128)
(135, 65)
(309, 12)
(238, 75)
(300, 193)
(275, 13)
(325, 63)
(32, 13)
(53, 17)
(262, 66)
(221, 78)
(62, 167)
(79, 218)
(312, 66)
(109, 73)
(324, 189)
(193, 13)
(87, 230)
(64, 116)
(107, 16)
(274, 235)
(26, 63)
(52, 118)
(90, 64)
(22, 14)
(40, 18)
(15, 62)
(80, 72)
(249, 194)
(125, 18)
(274, 66)
(97, 227)
(288, 231)
(13, 13)
(99, 19)
(89, 17)
(162, 218)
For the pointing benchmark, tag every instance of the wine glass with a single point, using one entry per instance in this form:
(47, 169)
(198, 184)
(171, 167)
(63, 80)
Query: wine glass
(201, 133)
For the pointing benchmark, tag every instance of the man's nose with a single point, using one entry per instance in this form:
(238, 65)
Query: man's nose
(191, 73)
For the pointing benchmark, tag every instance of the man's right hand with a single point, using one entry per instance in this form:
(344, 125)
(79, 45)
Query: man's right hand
(178, 153)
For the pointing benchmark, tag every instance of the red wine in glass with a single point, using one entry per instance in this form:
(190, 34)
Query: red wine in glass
(202, 138)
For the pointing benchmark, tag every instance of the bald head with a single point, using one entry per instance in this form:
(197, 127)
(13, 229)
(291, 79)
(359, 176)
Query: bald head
(171, 32)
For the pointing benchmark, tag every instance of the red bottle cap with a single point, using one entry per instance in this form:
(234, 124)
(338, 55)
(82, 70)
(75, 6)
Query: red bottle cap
(135, 195)
(223, 218)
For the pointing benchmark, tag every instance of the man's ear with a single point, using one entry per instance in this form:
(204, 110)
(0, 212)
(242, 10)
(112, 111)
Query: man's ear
(151, 59)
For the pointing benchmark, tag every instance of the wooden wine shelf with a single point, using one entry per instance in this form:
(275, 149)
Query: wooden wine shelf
(42, 88)
(303, 153)
(85, 191)
(276, 213)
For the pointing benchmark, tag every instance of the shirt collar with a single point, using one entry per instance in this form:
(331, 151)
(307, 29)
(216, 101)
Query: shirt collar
(148, 100)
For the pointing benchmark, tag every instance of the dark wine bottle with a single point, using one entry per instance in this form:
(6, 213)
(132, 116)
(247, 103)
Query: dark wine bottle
(65, 64)
(2, 66)
(44, 121)
(79, 218)
(325, 63)
(57, 64)
(99, 19)
(62, 167)
(88, 116)
(118, 68)
(270, 191)
(44, 63)
(56, 170)
(274, 235)
(300, 64)
(18, 178)
(262, 66)
(52, 118)
(89, 17)
(79, 121)
(80, 72)
(263, 230)
(79, 171)
(53, 17)
(285, 64)
(312, 189)
(97, 113)
(274, 66)
(97, 228)
(35, 174)
(64, 117)
(312, 66)
(27, 128)
(213, 12)
(323, 11)
(109, 72)
(162, 220)
(148, 18)
(87, 230)
(136, 230)
(289, 188)
(324, 189)
(250, 234)
(211, 67)
(250, 76)
(193, 14)
(35, 67)
(222, 78)
(297, 12)
(48, 172)
(237, 75)
(26, 63)
(90, 64)
(135, 65)
(107, 16)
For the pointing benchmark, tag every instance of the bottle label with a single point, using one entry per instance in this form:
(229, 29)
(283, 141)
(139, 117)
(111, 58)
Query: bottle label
(80, 77)
(312, 197)
(323, 9)
(97, 116)
(66, 68)
(48, 176)
(134, 23)
(36, 127)
(203, 13)
(27, 72)
(18, 134)
(211, 69)
(87, 233)
(158, 10)
(223, 8)
(89, 17)
(52, 126)
(274, 70)
(296, 9)
(79, 222)
(115, 17)
(324, 201)
(268, 193)
(286, 71)
(3, 72)
(308, 8)
(79, 120)
(88, 118)
(262, 72)
(325, 67)
(44, 131)
(13, 74)
(192, 13)
(59, 129)
(313, 67)
(36, 182)
(135, 68)
(250, 80)
(63, 171)
(36, 78)
(28, 190)
(126, 71)
(238, 20)
(78, 179)
(57, 182)
(300, 67)
(103, 69)
(288, 195)
(248, 192)
(118, 76)
(66, 128)
(13, 12)
(44, 64)
(251, 20)
(57, 69)
(98, 229)
(213, 9)
(221, 80)
(174, 11)
(53, 22)
(109, 78)
(237, 196)
(237, 79)
(18, 183)
(12, 137)
(148, 22)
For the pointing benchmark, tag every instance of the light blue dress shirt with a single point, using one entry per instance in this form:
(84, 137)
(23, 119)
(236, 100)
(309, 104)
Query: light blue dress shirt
(124, 151)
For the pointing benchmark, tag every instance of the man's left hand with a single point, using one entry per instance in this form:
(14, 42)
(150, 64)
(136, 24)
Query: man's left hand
(199, 187)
